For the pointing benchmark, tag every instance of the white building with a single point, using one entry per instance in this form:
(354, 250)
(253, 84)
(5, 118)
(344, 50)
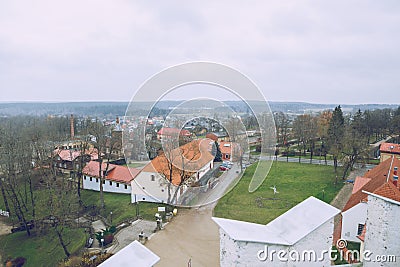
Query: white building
(354, 213)
(382, 233)
(152, 183)
(301, 236)
(134, 254)
(117, 179)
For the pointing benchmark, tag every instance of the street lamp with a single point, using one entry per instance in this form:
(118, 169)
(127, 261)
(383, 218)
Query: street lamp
(111, 217)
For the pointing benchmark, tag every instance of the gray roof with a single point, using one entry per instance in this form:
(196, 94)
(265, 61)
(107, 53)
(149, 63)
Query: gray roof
(134, 254)
(287, 229)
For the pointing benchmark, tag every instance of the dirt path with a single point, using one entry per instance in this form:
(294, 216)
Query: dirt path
(190, 235)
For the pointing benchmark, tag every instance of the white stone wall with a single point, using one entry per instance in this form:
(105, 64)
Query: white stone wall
(383, 231)
(149, 186)
(350, 220)
(239, 253)
(93, 183)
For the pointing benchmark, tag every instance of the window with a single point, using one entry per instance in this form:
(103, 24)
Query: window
(117, 184)
(110, 183)
(126, 187)
(84, 177)
(97, 180)
(143, 198)
(91, 179)
(104, 181)
(153, 178)
(360, 229)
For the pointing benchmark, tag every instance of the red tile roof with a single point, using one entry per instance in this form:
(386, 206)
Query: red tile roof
(69, 155)
(359, 183)
(388, 190)
(116, 173)
(197, 155)
(378, 176)
(173, 131)
(390, 148)
(212, 136)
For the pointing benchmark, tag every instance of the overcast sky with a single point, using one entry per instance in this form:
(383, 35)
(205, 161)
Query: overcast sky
(312, 51)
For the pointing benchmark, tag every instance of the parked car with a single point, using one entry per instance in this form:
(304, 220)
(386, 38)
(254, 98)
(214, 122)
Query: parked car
(223, 168)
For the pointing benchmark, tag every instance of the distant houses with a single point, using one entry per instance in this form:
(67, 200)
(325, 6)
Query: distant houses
(306, 230)
(167, 132)
(67, 160)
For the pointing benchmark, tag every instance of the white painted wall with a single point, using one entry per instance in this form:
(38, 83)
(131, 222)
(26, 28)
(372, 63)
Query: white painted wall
(383, 230)
(152, 187)
(92, 183)
(350, 220)
(239, 253)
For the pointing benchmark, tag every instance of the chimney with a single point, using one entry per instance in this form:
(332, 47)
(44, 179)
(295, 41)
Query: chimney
(395, 171)
(117, 120)
(72, 126)
(395, 180)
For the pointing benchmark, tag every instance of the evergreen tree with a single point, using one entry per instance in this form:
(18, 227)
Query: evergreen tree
(335, 135)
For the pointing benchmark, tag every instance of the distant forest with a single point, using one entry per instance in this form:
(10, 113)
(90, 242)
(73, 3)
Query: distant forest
(111, 109)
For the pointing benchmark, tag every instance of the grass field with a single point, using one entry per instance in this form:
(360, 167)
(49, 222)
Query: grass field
(294, 182)
(44, 250)
(41, 250)
(120, 205)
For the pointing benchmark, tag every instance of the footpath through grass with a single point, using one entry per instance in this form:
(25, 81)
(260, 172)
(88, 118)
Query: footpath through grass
(294, 181)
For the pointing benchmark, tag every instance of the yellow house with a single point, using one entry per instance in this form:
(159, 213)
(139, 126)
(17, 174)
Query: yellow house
(388, 149)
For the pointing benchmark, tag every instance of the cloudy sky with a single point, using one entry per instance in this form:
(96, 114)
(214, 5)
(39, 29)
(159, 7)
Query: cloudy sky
(312, 51)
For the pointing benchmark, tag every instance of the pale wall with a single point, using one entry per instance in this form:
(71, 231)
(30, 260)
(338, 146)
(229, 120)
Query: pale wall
(239, 253)
(383, 230)
(93, 185)
(350, 220)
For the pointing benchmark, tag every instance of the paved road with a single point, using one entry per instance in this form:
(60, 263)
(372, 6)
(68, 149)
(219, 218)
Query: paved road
(225, 182)
(191, 235)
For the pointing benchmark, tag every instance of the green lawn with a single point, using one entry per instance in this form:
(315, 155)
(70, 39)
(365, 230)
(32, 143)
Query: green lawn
(44, 250)
(294, 182)
(41, 250)
(120, 205)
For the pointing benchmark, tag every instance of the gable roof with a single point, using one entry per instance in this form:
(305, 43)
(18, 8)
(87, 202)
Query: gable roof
(359, 183)
(287, 229)
(390, 148)
(388, 190)
(134, 253)
(196, 155)
(378, 176)
(115, 173)
(69, 155)
(173, 131)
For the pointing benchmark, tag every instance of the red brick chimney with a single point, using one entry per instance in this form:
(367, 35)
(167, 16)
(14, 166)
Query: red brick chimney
(72, 126)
